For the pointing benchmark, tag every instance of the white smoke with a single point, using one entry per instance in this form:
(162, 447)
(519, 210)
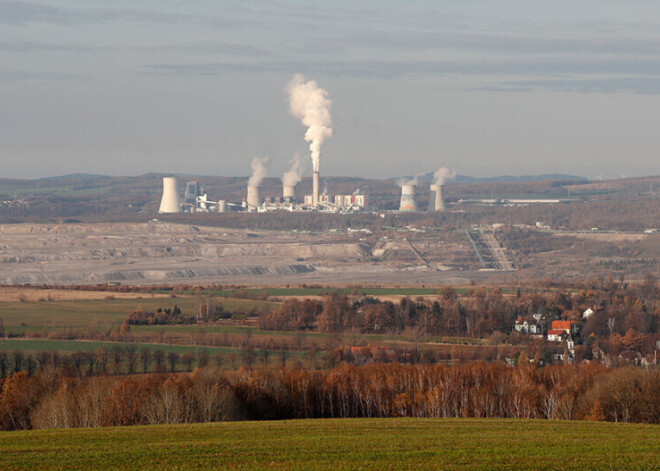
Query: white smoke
(259, 171)
(443, 174)
(310, 104)
(293, 176)
(403, 181)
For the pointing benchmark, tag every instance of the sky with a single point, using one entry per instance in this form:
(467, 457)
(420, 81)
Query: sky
(483, 87)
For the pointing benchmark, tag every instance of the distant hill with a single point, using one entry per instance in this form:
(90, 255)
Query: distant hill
(521, 178)
(74, 176)
(428, 178)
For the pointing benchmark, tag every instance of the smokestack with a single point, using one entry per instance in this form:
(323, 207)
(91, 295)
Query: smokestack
(315, 189)
(169, 203)
(309, 103)
(408, 198)
(437, 198)
(253, 201)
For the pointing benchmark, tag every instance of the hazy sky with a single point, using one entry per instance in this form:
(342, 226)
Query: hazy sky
(185, 86)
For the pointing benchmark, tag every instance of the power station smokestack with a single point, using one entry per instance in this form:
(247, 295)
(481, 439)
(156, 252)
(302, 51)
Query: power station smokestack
(437, 198)
(253, 201)
(315, 189)
(169, 203)
(408, 198)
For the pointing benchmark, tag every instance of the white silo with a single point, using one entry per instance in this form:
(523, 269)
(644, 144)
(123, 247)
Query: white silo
(169, 203)
(408, 202)
(253, 201)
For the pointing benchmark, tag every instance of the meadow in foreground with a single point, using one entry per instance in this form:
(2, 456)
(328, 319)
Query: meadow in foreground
(342, 444)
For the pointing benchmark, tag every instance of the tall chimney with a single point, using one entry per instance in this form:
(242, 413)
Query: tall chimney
(437, 198)
(408, 198)
(253, 201)
(315, 189)
(169, 203)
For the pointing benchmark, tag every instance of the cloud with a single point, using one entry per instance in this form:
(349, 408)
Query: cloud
(638, 85)
(23, 13)
(28, 75)
(385, 69)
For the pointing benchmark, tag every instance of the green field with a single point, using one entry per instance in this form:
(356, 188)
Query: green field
(36, 316)
(341, 444)
(326, 290)
(70, 346)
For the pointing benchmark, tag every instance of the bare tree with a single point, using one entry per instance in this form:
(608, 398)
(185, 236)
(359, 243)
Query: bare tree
(188, 359)
(145, 359)
(131, 356)
(117, 355)
(173, 358)
(4, 363)
(159, 360)
(17, 360)
(203, 358)
(610, 324)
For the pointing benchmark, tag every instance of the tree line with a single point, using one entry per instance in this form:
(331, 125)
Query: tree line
(51, 399)
(626, 317)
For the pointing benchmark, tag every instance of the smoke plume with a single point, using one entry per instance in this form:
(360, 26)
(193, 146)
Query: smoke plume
(259, 171)
(293, 176)
(443, 174)
(310, 104)
(408, 181)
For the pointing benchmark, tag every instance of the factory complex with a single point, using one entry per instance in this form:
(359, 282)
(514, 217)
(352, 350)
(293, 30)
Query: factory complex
(311, 105)
(195, 200)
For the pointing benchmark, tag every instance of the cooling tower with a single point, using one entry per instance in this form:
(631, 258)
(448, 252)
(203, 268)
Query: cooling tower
(408, 198)
(170, 200)
(437, 198)
(315, 189)
(289, 193)
(253, 201)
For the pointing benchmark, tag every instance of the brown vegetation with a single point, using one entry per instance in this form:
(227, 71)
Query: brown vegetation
(573, 392)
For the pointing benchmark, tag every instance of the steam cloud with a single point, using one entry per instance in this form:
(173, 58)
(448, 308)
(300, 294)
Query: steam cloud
(259, 171)
(310, 104)
(443, 174)
(293, 176)
(408, 181)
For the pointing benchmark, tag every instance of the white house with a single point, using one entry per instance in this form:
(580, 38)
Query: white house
(556, 335)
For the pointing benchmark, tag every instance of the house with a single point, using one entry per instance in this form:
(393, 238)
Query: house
(557, 335)
(587, 314)
(570, 327)
(529, 325)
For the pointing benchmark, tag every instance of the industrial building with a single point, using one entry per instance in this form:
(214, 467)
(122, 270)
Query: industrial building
(195, 200)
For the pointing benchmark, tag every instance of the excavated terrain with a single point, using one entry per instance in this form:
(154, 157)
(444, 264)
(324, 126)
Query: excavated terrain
(159, 252)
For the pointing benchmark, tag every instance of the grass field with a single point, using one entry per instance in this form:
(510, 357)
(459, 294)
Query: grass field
(70, 346)
(341, 444)
(35, 316)
(409, 291)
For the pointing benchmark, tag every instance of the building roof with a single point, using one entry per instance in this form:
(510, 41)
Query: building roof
(564, 325)
(556, 332)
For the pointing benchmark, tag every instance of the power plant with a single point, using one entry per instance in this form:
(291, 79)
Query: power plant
(310, 104)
